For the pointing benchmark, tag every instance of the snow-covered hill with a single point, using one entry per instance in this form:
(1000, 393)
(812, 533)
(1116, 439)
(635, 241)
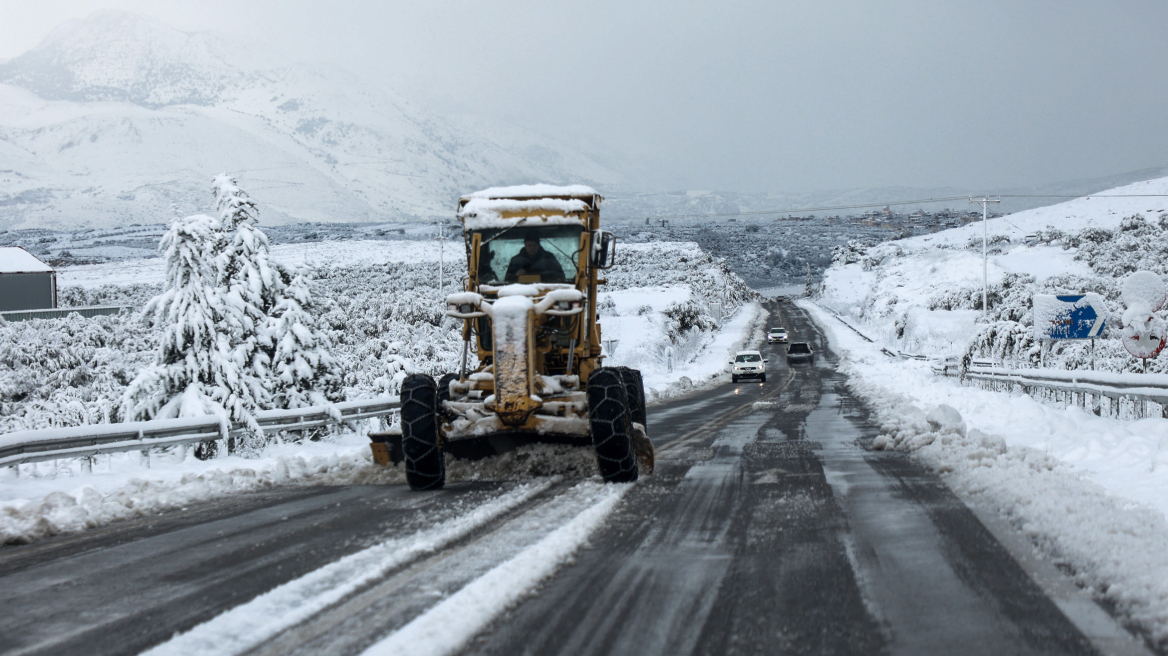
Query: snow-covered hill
(924, 294)
(113, 119)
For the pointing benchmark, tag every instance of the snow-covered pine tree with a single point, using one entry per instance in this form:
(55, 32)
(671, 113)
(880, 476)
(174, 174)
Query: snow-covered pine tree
(305, 372)
(250, 283)
(194, 371)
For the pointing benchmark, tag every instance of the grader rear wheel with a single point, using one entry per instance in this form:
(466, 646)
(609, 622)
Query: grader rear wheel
(608, 414)
(425, 463)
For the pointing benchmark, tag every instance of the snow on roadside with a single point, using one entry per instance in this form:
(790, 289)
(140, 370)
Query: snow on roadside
(251, 624)
(449, 626)
(642, 342)
(1089, 492)
(35, 508)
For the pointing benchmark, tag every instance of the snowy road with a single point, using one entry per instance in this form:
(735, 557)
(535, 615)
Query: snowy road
(766, 529)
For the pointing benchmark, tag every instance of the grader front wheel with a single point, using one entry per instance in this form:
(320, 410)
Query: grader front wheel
(425, 463)
(611, 424)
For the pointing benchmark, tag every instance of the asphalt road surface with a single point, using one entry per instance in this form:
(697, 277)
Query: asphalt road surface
(768, 528)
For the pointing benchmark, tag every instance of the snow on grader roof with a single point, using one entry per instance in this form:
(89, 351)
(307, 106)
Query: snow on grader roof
(14, 259)
(503, 207)
(534, 191)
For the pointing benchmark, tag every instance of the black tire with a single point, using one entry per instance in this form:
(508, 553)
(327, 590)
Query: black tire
(763, 379)
(425, 463)
(635, 393)
(608, 414)
(733, 378)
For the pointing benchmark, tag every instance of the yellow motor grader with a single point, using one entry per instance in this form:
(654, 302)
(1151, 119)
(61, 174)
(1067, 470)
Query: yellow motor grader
(535, 254)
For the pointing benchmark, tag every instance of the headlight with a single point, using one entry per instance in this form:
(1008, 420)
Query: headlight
(465, 308)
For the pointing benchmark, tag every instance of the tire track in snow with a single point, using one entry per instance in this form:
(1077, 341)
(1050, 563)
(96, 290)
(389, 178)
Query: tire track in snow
(249, 625)
(454, 622)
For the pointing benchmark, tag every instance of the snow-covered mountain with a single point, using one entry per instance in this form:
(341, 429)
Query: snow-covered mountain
(116, 118)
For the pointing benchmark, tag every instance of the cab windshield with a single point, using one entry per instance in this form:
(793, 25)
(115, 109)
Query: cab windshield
(748, 357)
(527, 255)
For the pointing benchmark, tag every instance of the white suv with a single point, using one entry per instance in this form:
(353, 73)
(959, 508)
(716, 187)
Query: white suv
(748, 364)
(777, 336)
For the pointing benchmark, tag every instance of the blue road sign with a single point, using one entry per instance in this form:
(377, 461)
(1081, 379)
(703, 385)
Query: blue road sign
(1079, 316)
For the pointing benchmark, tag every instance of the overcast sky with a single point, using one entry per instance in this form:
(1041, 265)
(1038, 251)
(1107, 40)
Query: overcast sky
(748, 95)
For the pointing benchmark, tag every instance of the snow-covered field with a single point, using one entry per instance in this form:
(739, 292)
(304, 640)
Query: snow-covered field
(1090, 493)
(385, 318)
(314, 255)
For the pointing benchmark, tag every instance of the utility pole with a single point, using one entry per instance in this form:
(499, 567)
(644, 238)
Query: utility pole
(985, 278)
(441, 253)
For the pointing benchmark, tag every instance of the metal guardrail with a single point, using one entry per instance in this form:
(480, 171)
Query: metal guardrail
(29, 446)
(898, 354)
(1101, 392)
(61, 313)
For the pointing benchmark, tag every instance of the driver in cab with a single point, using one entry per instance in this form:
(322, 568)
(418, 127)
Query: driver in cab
(532, 259)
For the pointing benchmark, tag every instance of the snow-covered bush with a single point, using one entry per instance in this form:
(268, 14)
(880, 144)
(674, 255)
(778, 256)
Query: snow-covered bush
(685, 317)
(853, 251)
(68, 372)
(879, 253)
(1137, 245)
(992, 244)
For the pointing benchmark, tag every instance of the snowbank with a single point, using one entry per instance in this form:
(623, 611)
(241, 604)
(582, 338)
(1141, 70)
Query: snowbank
(1088, 492)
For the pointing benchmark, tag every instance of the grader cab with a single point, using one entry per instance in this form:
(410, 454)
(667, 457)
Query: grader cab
(535, 255)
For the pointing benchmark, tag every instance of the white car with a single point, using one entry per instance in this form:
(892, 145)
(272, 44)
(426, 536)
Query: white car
(777, 336)
(748, 364)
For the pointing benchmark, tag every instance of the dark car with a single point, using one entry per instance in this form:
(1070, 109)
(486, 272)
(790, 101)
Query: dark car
(799, 352)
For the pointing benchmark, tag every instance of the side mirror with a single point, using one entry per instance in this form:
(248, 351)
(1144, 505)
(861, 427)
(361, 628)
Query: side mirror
(603, 249)
(766, 361)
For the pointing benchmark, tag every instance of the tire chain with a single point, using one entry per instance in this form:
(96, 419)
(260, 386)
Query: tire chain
(425, 463)
(608, 414)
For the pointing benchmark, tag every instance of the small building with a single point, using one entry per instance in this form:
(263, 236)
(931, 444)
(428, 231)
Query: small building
(26, 283)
